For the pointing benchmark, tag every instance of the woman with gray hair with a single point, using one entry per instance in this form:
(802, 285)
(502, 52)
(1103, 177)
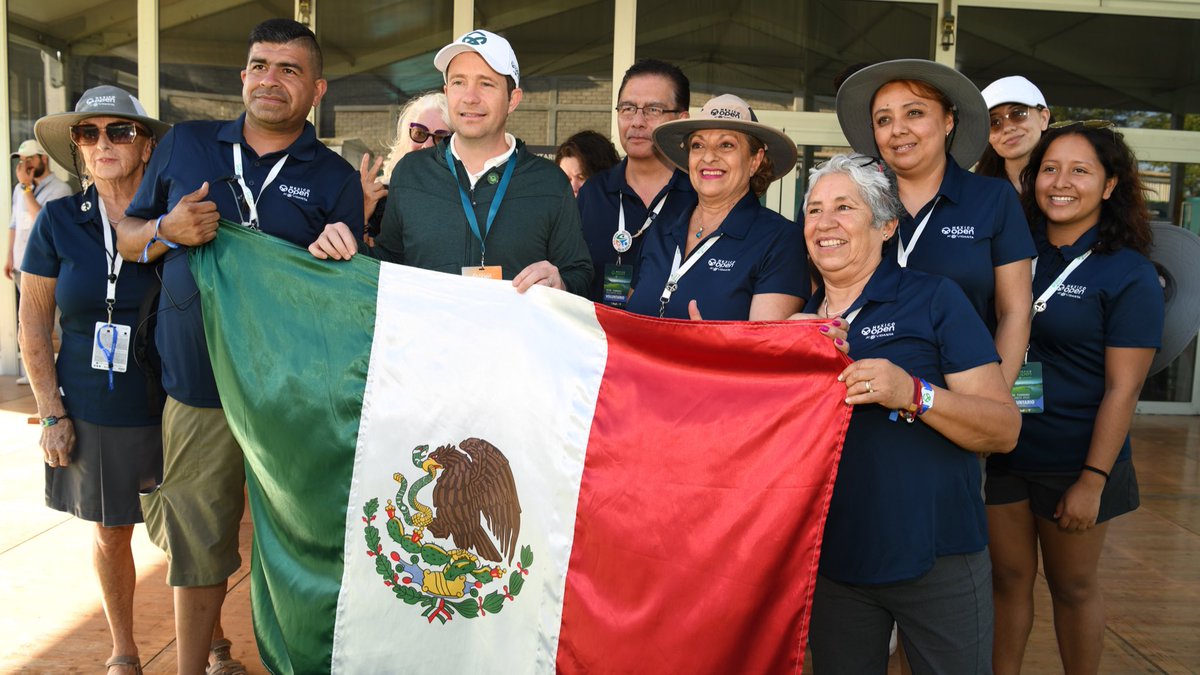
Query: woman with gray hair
(906, 537)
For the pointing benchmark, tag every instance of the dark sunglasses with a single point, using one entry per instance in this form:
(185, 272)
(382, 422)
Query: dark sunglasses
(119, 133)
(419, 133)
(1089, 124)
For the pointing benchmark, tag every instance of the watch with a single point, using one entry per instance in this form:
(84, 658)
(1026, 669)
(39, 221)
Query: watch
(27, 188)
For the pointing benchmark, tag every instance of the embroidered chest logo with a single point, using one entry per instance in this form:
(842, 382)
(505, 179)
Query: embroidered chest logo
(879, 330)
(447, 560)
(959, 232)
(719, 265)
(1072, 291)
(294, 192)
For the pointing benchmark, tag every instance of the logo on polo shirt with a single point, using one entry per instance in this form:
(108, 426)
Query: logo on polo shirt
(1072, 291)
(959, 232)
(879, 330)
(718, 265)
(294, 192)
(101, 100)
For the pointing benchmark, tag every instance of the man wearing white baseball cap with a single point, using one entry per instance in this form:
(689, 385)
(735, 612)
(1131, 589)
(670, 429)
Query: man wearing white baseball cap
(1017, 116)
(479, 203)
(36, 185)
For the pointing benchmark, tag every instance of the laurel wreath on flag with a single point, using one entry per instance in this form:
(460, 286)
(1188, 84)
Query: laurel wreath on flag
(400, 573)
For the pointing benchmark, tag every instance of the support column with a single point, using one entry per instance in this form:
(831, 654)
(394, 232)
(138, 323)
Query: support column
(8, 295)
(147, 48)
(464, 17)
(624, 53)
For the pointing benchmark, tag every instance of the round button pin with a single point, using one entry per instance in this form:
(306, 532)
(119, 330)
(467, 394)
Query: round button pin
(622, 241)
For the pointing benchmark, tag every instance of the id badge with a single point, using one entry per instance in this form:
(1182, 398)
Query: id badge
(1027, 392)
(488, 272)
(618, 280)
(111, 336)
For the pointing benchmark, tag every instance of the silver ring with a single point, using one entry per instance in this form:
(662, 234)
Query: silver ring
(869, 389)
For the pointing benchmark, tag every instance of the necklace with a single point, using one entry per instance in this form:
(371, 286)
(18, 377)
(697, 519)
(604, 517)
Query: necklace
(700, 232)
(829, 314)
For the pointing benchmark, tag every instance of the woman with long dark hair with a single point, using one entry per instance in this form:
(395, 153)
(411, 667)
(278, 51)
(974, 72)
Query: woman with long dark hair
(1098, 320)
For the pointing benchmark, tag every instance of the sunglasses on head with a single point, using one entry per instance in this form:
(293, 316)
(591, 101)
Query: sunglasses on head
(1089, 124)
(419, 133)
(119, 133)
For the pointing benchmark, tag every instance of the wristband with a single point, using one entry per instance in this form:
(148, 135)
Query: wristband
(155, 238)
(1089, 467)
(926, 401)
(52, 420)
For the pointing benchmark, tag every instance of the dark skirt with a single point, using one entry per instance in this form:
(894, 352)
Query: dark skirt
(109, 466)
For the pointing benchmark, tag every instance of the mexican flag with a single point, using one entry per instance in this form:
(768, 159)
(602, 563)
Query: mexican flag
(447, 475)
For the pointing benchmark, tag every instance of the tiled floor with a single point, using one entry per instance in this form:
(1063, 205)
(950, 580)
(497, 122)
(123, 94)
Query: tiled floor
(50, 607)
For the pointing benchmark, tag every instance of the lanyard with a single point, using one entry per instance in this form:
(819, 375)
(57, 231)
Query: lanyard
(251, 200)
(114, 261)
(622, 242)
(110, 294)
(677, 272)
(1039, 305)
(902, 251)
(496, 199)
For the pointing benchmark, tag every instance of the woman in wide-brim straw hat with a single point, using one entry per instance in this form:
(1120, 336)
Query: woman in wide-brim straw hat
(101, 437)
(929, 123)
(729, 257)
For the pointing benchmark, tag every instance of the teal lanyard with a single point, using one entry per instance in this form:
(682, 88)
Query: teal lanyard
(470, 210)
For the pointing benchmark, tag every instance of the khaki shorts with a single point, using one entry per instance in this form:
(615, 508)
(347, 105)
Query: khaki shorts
(195, 513)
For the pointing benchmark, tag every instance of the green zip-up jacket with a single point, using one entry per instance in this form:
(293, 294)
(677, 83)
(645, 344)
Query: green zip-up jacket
(424, 224)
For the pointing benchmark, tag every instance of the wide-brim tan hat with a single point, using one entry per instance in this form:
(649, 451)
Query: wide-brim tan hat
(725, 112)
(971, 118)
(54, 131)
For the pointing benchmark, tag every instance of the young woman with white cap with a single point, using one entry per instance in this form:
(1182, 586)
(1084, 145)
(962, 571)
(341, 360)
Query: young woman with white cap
(1017, 118)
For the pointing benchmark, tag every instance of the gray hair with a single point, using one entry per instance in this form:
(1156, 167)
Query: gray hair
(875, 180)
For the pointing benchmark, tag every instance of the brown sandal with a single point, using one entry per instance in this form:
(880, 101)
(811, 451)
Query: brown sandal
(224, 663)
(124, 661)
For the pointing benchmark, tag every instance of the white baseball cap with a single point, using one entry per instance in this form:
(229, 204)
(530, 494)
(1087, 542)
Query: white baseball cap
(1013, 89)
(493, 48)
(28, 148)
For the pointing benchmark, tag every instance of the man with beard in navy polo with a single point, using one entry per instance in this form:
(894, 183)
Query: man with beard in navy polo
(268, 171)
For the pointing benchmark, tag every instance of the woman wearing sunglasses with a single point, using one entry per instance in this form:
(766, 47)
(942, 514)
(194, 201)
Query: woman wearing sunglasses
(929, 123)
(1098, 320)
(1017, 117)
(101, 440)
(422, 122)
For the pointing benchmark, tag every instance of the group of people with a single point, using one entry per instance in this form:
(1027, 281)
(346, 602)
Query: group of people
(947, 288)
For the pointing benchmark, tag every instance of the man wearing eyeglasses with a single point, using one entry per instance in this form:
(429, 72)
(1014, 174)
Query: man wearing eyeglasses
(479, 203)
(268, 171)
(620, 205)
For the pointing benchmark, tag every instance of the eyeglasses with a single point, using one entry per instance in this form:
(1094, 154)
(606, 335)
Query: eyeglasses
(1090, 124)
(652, 112)
(119, 133)
(1016, 114)
(419, 133)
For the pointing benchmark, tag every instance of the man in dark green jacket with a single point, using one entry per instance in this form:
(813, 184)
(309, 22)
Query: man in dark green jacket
(479, 203)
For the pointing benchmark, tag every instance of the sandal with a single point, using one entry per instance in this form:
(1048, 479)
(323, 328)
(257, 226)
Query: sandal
(124, 661)
(223, 663)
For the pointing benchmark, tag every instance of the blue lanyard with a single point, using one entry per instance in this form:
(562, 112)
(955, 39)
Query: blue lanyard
(466, 201)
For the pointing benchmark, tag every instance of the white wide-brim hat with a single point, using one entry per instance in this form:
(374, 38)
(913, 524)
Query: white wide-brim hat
(54, 131)
(725, 112)
(971, 113)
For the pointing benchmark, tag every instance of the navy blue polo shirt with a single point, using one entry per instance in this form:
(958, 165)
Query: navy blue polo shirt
(67, 244)
(905, 494)
(315, 187)
(599, 199)
(759, 251)
(976, 227)
(1111, 300)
